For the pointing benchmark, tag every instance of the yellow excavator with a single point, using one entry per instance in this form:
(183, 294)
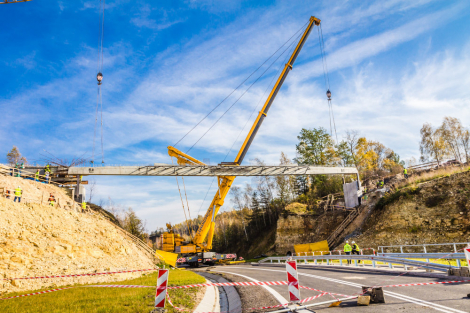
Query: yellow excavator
(198, 249)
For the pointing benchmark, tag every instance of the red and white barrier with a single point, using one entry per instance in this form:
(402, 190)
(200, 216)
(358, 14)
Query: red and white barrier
(162, 284)
(293, 281)
(78, 275)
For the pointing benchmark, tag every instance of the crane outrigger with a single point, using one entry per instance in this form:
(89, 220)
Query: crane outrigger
(198, 249)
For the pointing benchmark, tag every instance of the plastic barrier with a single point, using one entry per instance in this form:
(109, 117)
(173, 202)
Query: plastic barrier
(162, 284)
(293, 280)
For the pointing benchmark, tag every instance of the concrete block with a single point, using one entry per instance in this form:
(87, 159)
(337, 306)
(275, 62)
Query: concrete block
(376, 294)
(363, 300)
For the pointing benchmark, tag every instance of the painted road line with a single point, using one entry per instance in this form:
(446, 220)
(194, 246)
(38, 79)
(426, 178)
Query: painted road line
(276, 294)
(424, 303)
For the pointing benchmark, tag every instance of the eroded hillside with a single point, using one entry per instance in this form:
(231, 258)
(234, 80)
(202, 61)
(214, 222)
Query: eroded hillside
(38, 240)
(433, 212)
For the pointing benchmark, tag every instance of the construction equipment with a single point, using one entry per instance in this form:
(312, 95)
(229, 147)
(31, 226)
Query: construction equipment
(13, 1)
(198, 249)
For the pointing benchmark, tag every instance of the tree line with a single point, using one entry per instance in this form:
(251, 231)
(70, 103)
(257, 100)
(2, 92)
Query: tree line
(450, 140)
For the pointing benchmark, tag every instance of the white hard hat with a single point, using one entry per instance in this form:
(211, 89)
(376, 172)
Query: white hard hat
(353, 241)
(19, 187)
(347, 241)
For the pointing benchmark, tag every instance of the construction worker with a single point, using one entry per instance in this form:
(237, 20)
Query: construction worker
(364, 194)
(347, 249)
(83, 205)
(8, 193)
(47, 171)
(355, 249)
(17, 170)
(18, 194)
(51, 200)
(405, 172)
(36, 176)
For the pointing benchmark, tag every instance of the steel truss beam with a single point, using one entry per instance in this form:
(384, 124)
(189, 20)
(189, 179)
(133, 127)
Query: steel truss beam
(196, 170)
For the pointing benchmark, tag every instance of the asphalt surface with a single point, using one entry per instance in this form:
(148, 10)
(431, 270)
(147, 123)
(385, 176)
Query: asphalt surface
(430, 298)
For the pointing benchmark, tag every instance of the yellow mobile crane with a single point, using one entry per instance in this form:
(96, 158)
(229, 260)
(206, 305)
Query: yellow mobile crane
(197, 251)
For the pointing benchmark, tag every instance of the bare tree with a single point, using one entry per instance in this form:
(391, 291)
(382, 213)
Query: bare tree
(91, 189)
(465, 141)
(352, 140)
(451, 131)
(237, 199)
(14, 156)
(432, 145)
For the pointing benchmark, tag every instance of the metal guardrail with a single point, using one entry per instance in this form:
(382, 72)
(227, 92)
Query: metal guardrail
(424, 246)
(374, 259)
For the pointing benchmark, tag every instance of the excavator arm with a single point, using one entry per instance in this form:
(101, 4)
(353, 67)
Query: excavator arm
(206, 229)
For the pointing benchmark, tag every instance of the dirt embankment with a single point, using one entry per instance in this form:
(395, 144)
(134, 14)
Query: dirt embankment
(434, 212)
(38, 240)
(298, 229)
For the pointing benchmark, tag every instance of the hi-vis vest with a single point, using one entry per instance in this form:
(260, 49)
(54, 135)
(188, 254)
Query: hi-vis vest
(347, 248)
(405, 171)
(83, 205)
(356, 247)
(18, 192)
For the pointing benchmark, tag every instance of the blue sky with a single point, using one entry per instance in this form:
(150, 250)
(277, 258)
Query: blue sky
(393, 66)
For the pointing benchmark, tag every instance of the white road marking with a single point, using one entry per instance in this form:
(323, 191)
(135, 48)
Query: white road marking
(276, 294)
(424, 303)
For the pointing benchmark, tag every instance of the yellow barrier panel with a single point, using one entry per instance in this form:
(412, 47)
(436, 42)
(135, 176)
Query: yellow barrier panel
(311, 248)
(167, 257)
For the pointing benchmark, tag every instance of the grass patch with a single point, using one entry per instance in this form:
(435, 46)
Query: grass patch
(108, 299)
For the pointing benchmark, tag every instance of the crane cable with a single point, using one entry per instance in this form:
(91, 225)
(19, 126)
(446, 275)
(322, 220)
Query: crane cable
(327, 81)
(241, 84)
(99, 77)
(246, 123)
(182, 203)
(235, 102)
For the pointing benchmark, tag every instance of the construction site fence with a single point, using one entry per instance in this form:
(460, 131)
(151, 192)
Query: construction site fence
(404, 260)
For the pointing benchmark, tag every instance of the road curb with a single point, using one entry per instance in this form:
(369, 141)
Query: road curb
(230, 299)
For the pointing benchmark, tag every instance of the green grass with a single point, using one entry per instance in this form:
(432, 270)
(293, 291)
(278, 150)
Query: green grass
(108, 299)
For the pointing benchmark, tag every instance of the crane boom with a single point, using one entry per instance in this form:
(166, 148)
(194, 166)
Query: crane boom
(264, 111)
(206, 229)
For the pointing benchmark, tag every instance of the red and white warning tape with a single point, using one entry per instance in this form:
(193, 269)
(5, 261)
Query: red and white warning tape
(87, 274)
(286, 304)
(313, 298)
(259, 283)
(120, 286)
(331, 293)
(36, 293)
(432, 283)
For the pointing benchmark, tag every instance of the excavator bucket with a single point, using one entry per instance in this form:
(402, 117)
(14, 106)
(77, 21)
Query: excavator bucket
(168, 257)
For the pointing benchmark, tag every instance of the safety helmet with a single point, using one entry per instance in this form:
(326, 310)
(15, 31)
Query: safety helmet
(353, 241)
(19, 187)
(347, 241)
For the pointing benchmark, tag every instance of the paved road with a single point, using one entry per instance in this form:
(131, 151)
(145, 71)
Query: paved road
(441, 298)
